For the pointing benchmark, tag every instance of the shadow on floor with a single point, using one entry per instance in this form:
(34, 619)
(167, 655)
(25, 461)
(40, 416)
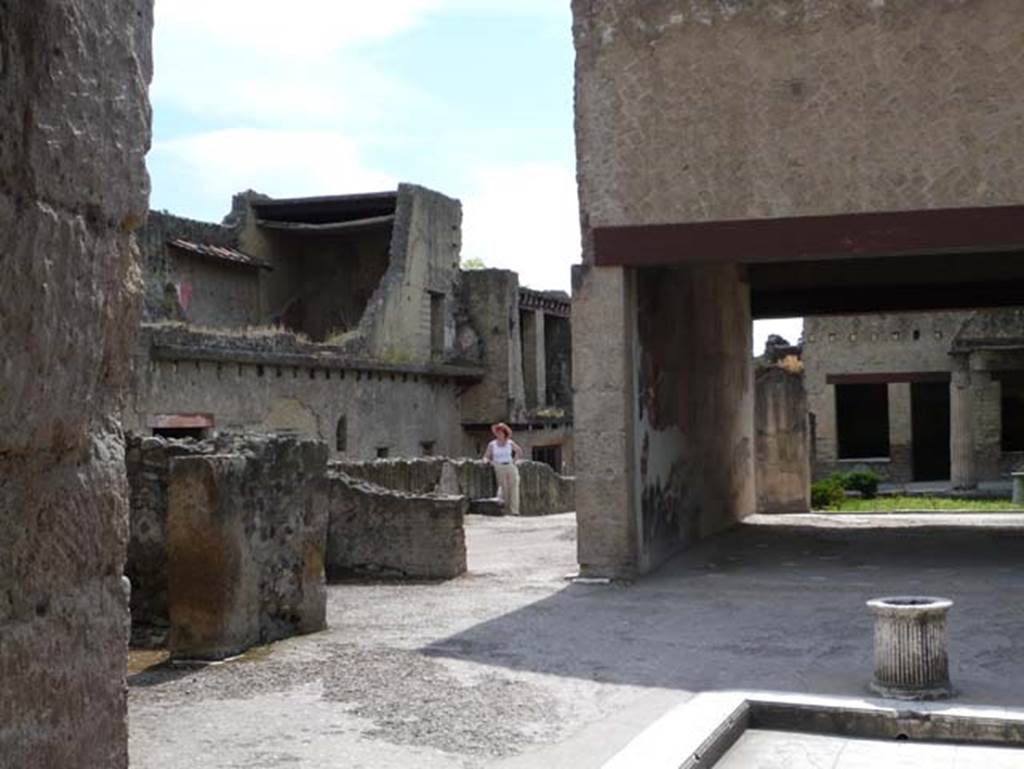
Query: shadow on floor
(775, 607)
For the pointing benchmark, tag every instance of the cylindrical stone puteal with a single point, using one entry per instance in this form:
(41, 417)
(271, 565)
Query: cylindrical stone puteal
(911, 657)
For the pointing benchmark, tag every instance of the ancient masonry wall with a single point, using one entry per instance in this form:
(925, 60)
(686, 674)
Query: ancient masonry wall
(542, 491)
(782, 442)
(380, 532)
(74, 130)
(246, 536)
(491, 299)
(159, 270)
(424, 264)
(695, 421)
(356, 413)
(893, 344)
(713, 111)
(148, 462)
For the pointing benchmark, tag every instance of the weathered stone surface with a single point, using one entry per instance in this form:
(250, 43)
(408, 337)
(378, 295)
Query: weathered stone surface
(917, 343)
(542, 491)
(148, 462)
(246, 533)
(74, 129)
(603, 322)
(911, 657)
(711, 110)
(382, 532)
(782, 442)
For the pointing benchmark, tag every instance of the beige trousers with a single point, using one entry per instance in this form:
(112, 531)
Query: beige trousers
(508, 487)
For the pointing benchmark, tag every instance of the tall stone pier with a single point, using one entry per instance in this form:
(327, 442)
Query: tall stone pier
(74, 130)
(755, 160)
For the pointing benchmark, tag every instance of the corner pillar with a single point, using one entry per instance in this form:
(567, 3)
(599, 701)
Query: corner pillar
(963, 469)
(603, 323)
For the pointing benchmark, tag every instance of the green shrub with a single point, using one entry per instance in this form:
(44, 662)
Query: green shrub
(866, 482)
(827, 493)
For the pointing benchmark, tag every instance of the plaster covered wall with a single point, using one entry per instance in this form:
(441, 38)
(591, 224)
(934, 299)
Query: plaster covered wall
(159, 263)
(214, 294)
(695, 407)
(74, 130)
(711, 110)
(393, 411)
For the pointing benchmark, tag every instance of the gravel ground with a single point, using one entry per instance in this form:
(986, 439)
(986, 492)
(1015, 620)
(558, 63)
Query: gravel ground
(372, 690)
(511, 666)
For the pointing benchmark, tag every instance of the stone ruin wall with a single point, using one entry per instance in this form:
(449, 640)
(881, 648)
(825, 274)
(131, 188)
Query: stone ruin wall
(158, 264)
(542, 491)
(261, 384)
(148, 462)
(74, 131)
(781, 442)
(380, 532)
(895, 343)
(227, 541)
(246, 533)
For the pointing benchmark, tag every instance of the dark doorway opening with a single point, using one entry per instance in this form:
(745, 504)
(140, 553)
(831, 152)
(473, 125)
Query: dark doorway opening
(1012, 410)
(549, 455)
(929, 406)
(862, 420)
(180, 433)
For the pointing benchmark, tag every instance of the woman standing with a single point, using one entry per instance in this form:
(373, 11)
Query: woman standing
(503, 453)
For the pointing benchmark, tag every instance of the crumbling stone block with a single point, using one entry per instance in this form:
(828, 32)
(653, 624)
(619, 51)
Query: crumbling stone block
(382, 532)
(246, 534)
(148, 461)
(542, 490)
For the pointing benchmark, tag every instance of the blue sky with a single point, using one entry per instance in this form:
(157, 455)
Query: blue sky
(470, 97)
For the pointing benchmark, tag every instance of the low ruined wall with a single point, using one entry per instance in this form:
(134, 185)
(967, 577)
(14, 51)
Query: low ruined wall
(148, 463)
(541, 490)
(416, 476)
(782, 442)
(382, 532)
(246, 533)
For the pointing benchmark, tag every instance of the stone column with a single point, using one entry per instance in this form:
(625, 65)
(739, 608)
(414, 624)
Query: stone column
(963, 469)
(541, 360)
(534, 371)
(901, 437)
(603, 323)
(74, 130)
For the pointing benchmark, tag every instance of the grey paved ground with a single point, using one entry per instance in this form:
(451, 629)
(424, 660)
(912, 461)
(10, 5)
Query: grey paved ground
(513, 667)
(758, 749)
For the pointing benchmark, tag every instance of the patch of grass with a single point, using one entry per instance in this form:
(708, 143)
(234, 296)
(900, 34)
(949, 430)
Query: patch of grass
(894, 503)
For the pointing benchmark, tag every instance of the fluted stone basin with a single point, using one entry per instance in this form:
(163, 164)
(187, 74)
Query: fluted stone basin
(911, 659)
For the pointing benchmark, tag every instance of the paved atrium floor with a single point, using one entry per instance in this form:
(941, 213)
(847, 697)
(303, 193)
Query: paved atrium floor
(511, 666)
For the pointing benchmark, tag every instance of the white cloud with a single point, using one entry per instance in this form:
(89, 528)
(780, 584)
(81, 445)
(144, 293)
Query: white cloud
(299, 28)
(789, 328)
(316, 28)
(210, 167)
(524, 218)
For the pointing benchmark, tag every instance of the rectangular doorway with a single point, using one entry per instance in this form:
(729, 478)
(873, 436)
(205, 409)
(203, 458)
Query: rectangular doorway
(929, 406)
(549, 455)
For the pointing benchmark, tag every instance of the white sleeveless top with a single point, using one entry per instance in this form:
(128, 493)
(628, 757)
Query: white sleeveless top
(501, 455)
